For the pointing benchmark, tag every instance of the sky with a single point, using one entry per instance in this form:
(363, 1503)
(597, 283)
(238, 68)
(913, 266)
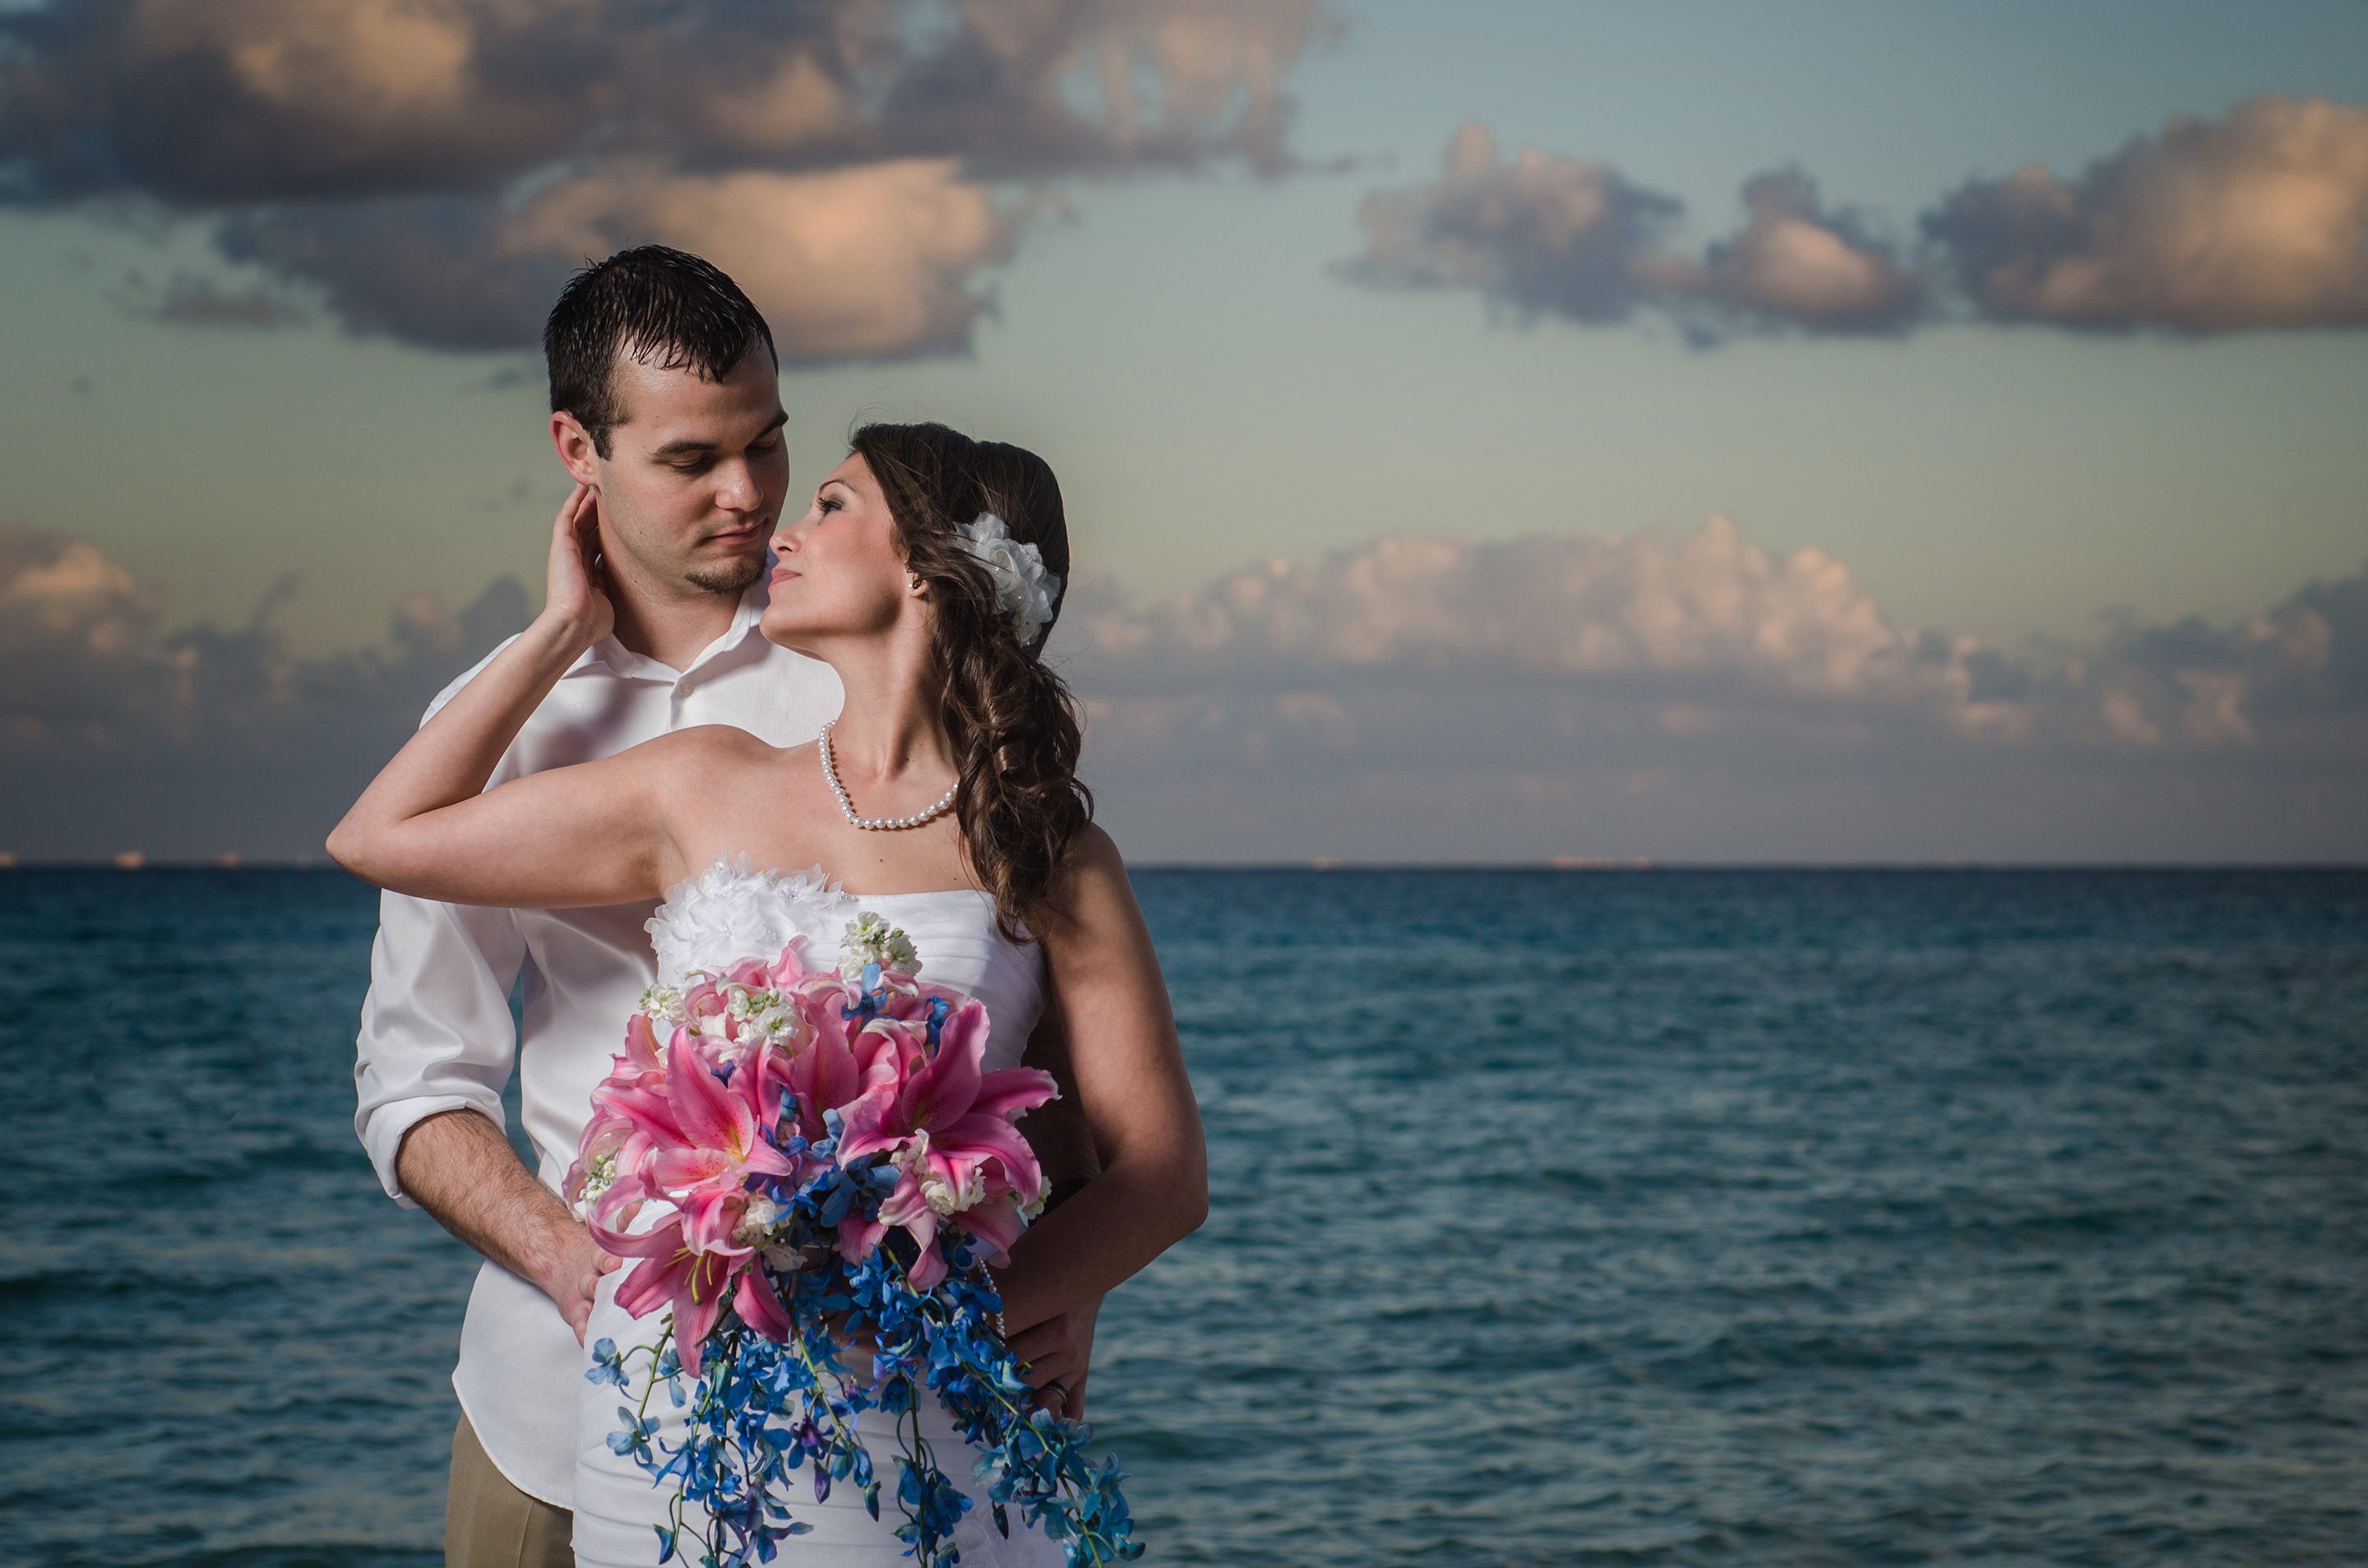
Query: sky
(1705, 432)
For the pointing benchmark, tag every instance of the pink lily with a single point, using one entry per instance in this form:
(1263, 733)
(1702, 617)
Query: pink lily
(789, 972)
(820, 1075)
(642, 1055)
(949, 1127)
(705, 1170)
(672, 1274)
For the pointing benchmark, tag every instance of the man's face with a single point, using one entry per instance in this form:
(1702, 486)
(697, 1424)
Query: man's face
(695, 475)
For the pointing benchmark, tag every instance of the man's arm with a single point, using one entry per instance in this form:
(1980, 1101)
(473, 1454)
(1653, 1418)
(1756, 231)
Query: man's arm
(1057, 1132)
(1061, 1347)
(461, 1168)
(437, 1046)
(1132, 1084)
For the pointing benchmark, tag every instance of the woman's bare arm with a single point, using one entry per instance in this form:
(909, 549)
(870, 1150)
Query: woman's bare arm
(1153, 1189)
(588, 834)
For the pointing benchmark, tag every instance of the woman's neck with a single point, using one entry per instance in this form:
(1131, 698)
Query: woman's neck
(893, 724)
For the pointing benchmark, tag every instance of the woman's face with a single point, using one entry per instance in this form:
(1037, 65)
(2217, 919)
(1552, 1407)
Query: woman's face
(838, 570)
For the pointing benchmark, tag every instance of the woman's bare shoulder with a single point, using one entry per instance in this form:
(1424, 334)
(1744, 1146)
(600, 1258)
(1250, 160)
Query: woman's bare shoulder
(700, 769)
(714, 744)
(1094, 853)
(1093, 887)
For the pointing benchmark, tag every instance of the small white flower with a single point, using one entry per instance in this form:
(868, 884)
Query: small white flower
(912, 1157)
(663, 1003)
(599, 1175)
(755, 1227)
(870, 939)
(944, 1197)
(1023, 589)
(746, 1005)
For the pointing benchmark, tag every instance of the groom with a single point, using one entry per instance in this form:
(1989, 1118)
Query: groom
(664, 398)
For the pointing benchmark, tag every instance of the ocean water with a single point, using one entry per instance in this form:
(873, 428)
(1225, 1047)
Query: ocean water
(1640, 1218)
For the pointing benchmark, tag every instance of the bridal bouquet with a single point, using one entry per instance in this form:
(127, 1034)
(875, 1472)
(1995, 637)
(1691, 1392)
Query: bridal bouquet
(826, 1162)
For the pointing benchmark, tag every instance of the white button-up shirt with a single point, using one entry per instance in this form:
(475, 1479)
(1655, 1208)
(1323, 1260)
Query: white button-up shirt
(436, 1031)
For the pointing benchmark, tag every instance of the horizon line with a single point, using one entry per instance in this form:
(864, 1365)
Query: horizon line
(132, 862)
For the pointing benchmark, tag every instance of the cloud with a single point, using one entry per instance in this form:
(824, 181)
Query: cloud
(1552, 607)
(1543, 235)
(61, 592)
(855, 263)
(191, 300)
(1706, 618)
(72, 626)
(1695, 696)
(866, 262)
(434, 168)
(2256, 220)
(1678, 695)
(1794, 262)
(116, 733)
(2194, 681)
(2259, 220)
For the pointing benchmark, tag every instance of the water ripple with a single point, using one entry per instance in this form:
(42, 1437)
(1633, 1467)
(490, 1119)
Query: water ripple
(1785, 1217)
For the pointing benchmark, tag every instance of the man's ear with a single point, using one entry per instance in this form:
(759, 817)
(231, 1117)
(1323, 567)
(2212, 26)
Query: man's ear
(576, 452)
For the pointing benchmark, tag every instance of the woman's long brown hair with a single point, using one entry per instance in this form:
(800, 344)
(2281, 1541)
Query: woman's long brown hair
(1011, 719)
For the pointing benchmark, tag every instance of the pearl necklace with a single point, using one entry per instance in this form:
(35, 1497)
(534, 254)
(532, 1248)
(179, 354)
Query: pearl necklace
(875, 824)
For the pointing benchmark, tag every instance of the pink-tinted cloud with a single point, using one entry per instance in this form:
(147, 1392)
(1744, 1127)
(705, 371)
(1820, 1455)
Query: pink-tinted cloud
(2259, 220)
(1543, 235)
(1537, 234)
(1702, 620)
(1695, 695)
(1793, 261)
(61, 593)
(1550, 606)
(864, 262)
(116, 733)
(1675, 694)
(435, 167)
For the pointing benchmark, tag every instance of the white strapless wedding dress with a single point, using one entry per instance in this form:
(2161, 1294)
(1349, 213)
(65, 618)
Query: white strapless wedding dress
(710, 923)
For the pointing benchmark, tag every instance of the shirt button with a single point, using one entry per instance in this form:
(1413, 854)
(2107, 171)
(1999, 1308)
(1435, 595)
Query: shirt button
(682, 689)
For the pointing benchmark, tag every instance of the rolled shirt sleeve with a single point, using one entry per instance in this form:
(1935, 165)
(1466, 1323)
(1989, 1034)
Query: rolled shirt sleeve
(435, 1033)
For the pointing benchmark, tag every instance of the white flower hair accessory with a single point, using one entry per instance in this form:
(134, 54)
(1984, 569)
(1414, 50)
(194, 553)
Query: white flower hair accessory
(1023, 589)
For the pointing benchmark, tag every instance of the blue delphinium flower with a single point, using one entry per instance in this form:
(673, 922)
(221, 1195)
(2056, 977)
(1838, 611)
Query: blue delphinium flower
(634, 1440)
(607, 1366)
(760, 1410)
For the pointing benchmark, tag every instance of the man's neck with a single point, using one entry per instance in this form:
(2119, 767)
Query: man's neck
(672, 630)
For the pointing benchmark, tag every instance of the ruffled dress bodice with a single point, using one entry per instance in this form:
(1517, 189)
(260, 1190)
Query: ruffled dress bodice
(734, 910)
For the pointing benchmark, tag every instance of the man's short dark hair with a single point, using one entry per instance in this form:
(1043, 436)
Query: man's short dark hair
(662, 307)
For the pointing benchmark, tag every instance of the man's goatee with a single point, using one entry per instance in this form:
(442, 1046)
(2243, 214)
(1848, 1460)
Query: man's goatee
(732, 579)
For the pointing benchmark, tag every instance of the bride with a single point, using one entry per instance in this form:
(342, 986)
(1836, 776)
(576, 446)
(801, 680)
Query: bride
(945, 791)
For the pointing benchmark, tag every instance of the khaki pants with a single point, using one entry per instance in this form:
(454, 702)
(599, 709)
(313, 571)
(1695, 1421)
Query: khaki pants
(488, 1522)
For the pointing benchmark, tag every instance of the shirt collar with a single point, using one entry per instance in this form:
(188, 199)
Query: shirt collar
(612, 657)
